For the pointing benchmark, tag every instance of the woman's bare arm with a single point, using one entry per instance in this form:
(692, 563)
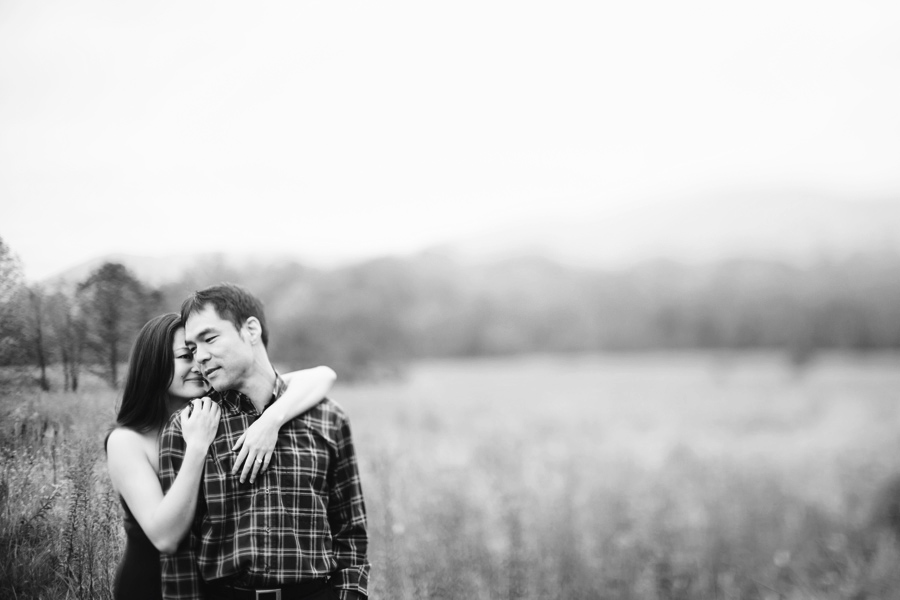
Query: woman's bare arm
(165, 519)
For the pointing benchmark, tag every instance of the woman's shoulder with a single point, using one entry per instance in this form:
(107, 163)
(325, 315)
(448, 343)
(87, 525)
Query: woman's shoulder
(122, 438)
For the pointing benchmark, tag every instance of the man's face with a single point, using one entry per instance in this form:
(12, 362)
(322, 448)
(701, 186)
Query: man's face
(223, 354)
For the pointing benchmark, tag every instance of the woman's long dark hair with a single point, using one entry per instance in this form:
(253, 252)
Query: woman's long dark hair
(150, 372)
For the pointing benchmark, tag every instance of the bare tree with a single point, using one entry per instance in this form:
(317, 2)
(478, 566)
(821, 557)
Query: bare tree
(11, 285)
(114, 305)
(69, 334)
(34, 331)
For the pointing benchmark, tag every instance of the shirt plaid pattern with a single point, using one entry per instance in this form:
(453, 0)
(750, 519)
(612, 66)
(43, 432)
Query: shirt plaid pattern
(304, 518)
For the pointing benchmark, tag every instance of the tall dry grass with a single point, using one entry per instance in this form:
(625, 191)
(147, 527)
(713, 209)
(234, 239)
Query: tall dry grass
(59, 529)
(644, 477)
(633, 477)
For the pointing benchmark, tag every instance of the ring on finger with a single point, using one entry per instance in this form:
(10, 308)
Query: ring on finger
(259, 460)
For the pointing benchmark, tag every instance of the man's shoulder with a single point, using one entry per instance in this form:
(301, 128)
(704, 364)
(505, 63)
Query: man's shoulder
(331, 410)
(332, 407)
(173, 424)
(326, 414)
(174, 421)
(171, 438)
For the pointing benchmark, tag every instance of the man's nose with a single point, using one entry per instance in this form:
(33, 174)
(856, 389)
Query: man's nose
(200, 356)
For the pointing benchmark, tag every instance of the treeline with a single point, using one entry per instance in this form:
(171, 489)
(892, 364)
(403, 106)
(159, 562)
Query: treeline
(372, 317)
(86, 326)
(384, 312)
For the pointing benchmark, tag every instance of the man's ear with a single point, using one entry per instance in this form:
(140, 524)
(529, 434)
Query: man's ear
(254, 329)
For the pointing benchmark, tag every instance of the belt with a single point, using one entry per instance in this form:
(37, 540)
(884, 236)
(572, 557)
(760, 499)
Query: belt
(286, 592)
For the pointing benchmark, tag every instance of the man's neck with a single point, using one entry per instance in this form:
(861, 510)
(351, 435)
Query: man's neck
(259, 384)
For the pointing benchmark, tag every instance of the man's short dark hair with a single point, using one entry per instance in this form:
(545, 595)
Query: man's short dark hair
(232, 302)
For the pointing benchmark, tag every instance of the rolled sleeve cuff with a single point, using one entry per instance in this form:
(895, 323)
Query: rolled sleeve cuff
(353, 583)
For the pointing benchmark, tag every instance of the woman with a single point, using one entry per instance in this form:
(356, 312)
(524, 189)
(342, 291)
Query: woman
(161, 380)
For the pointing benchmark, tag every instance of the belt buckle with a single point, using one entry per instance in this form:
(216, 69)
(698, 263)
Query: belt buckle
(268, 594)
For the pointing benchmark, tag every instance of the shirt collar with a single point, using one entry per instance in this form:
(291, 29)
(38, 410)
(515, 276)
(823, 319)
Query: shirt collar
(278, 389)
(233, 398)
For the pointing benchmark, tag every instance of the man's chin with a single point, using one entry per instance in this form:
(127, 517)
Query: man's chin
(219, 386)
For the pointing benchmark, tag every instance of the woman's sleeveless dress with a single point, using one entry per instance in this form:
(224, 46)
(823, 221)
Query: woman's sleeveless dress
(137, 576)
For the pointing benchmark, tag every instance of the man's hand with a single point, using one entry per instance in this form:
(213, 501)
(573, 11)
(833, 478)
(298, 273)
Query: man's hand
(256, 447)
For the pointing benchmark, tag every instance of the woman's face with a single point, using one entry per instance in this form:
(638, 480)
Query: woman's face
(187, 383)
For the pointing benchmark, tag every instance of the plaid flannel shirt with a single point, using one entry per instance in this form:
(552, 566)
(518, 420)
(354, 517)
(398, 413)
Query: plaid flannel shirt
(304, 518)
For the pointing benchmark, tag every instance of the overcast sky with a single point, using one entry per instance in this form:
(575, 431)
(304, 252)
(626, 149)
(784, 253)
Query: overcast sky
(337, 130)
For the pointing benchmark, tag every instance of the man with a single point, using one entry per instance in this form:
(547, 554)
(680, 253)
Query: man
(299, 531)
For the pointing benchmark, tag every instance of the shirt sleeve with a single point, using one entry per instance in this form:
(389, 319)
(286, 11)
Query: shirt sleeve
(180, 578)
(347, 518)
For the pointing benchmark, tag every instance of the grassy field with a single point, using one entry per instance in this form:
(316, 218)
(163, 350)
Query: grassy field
(645, 476)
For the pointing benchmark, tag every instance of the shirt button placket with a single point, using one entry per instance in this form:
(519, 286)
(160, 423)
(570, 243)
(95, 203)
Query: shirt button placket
(267, 512)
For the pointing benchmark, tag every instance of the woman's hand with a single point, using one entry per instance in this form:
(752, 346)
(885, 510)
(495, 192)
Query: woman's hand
(256, 445)
(200, 423)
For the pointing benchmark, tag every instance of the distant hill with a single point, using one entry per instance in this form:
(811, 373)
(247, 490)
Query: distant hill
(795, 228)
(152, 270)
(161, 270)
(373, 316)
(792, 227)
